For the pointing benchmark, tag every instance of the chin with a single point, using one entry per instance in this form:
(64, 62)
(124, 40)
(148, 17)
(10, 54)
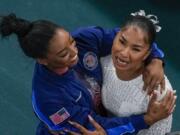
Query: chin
(118, 68)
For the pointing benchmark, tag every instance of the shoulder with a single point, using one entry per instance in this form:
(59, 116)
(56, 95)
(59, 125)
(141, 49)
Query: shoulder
(90, 30)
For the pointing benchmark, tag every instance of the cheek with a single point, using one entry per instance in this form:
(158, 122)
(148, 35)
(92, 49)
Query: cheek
(137, 58)
(113, 51)
(59, 62)
(62, 61)
(115, 47)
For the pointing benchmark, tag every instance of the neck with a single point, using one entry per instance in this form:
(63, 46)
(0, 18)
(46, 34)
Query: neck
(129, 75)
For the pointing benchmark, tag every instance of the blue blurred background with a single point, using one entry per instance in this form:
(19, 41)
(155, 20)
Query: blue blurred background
(16, 115)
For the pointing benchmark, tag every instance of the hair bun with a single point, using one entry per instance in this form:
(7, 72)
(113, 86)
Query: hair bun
(11, 24)
(151, 17)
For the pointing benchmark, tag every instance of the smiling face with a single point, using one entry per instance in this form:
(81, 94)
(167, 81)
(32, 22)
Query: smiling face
(130, 49)
(62, 51)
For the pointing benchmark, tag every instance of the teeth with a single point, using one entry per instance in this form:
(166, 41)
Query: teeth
(121, 61)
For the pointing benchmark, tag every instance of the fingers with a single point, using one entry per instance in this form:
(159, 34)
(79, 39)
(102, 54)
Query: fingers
(153, 85)
(156, 84)
(78, 126)
(150, 82)
(153, 75)
(167, 97)
(169, 101)
(162, 85)
(57, 132)
(153, 97)
(173, 109)
(98, 128)
(94, 123)
(71, 132)
(172, 106)
(84, 131)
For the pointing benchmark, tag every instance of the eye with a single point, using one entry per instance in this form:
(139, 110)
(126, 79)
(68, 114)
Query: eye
(122, 41)
(63, 54)
(136, 49)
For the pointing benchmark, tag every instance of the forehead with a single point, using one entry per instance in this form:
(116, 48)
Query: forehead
(59, 41)
(134, 34)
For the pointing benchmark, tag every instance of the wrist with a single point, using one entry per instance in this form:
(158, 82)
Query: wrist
(148, 119)
(156, 60)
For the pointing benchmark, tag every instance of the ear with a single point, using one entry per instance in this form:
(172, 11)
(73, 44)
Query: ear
(42, 61)
(147, 54)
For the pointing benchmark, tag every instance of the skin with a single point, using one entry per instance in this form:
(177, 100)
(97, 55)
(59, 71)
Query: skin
(131, 45)
(62, 54)
(129, 51)
(153, 76)
(98, 129)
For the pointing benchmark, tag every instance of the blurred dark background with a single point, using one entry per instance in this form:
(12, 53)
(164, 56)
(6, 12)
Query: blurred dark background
(16, 115)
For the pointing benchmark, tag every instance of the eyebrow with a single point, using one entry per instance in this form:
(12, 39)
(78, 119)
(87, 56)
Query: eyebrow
(139, 46)
(65, 47)
(61, 51)
(123, 38)
(135, 45)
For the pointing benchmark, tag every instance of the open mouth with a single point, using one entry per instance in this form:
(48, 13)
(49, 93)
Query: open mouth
(121, 62)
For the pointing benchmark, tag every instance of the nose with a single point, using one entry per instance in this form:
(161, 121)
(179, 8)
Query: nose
(125, 52)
